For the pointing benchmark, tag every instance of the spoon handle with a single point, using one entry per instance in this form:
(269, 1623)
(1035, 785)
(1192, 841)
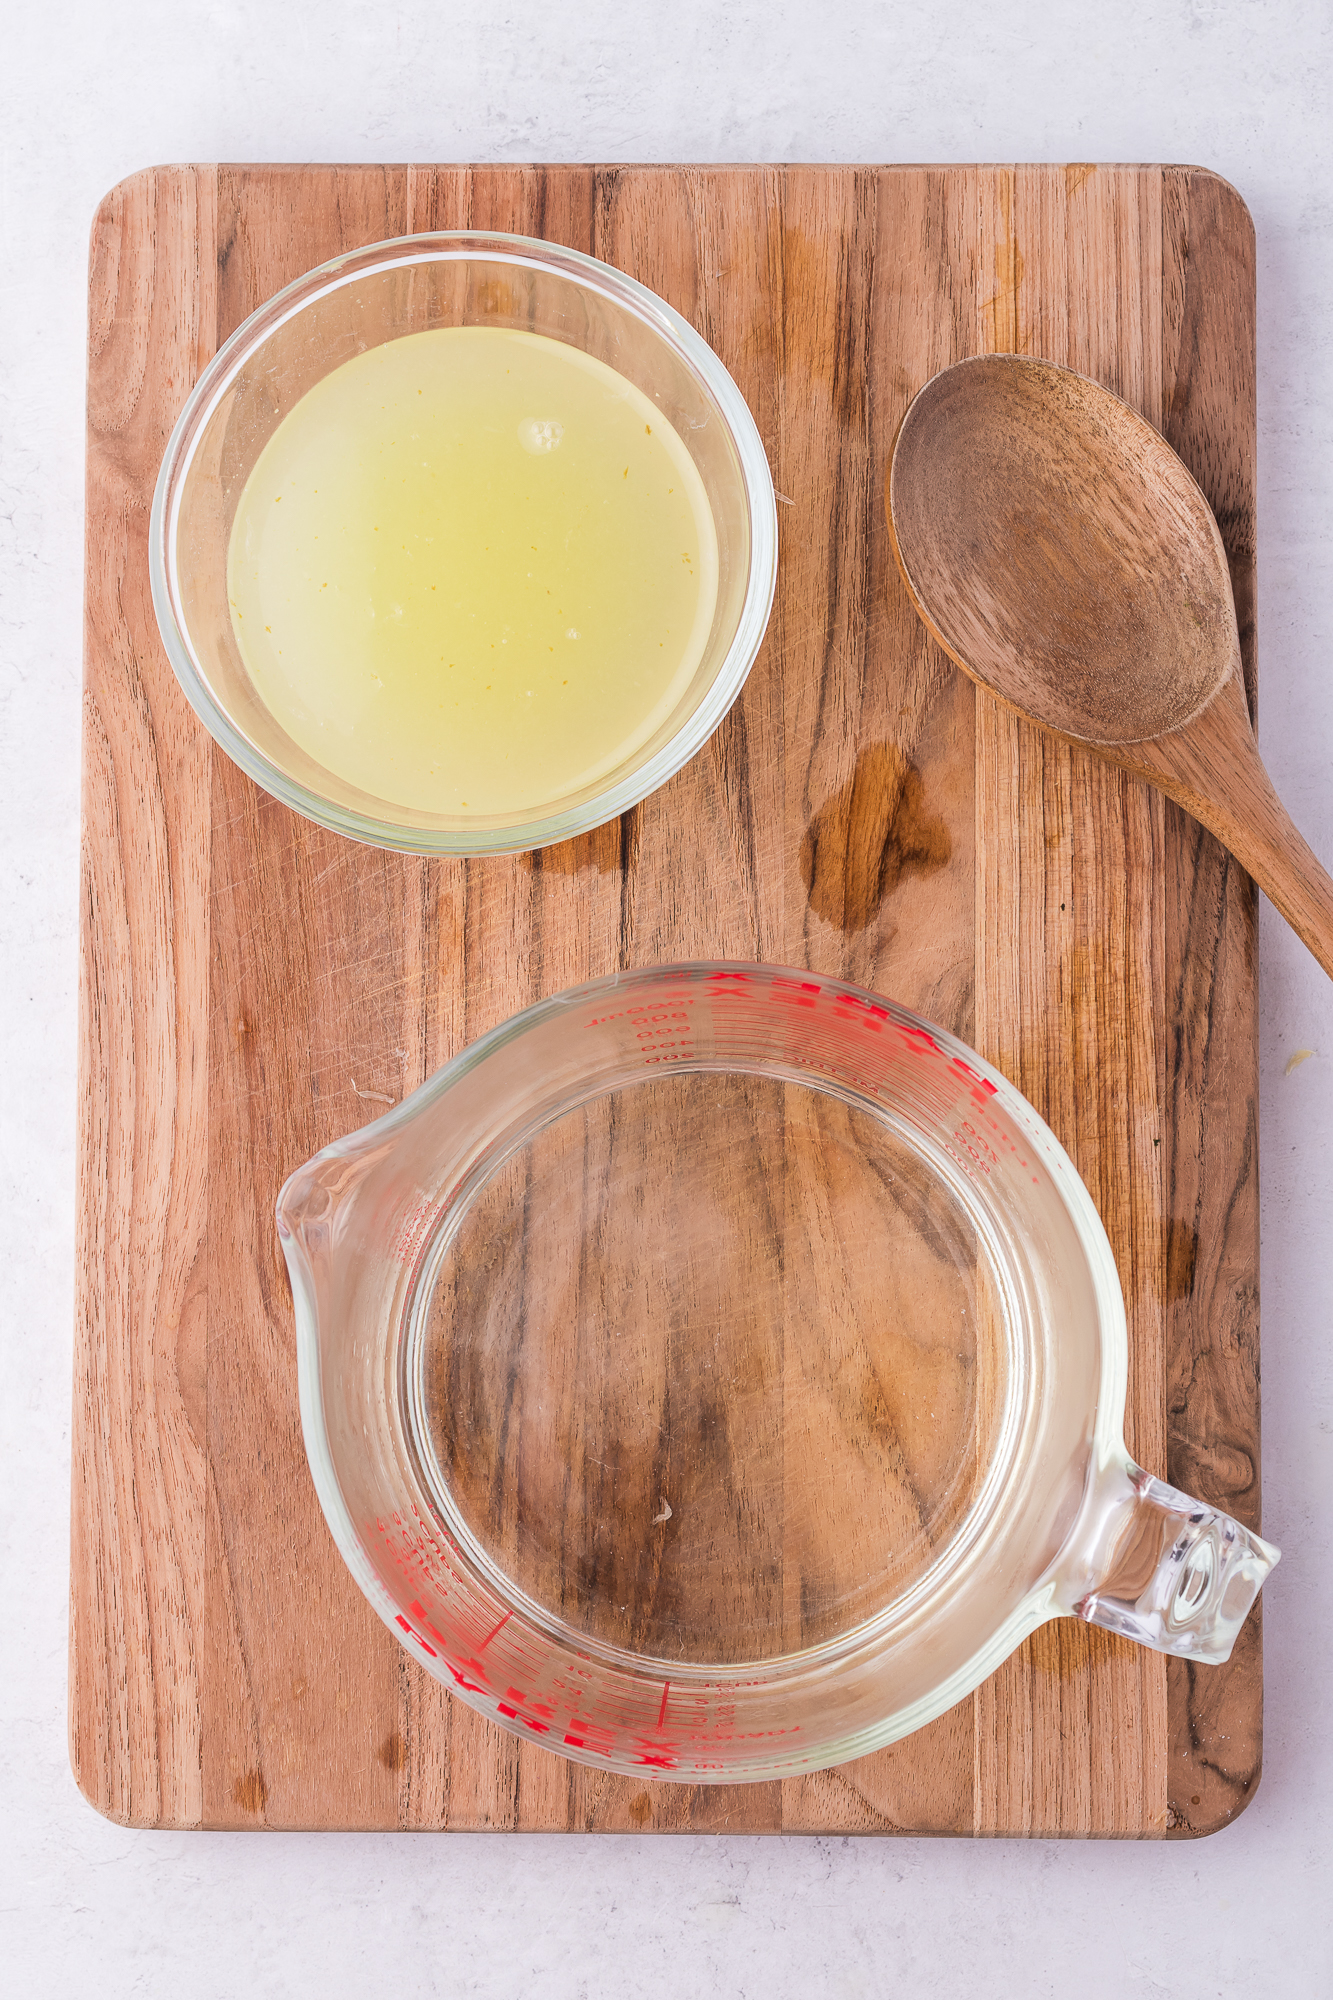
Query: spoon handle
(1213, 768)
(1276, 854)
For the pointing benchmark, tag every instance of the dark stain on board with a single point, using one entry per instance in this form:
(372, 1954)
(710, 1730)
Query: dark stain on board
(874, 830)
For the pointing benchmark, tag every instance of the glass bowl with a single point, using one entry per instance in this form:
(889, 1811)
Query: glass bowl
(464, 278)
(716, 1371)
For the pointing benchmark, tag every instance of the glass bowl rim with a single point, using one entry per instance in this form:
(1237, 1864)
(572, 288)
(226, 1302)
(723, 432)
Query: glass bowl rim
(460, 246)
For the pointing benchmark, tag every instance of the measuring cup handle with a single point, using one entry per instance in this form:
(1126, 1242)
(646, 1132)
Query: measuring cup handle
(1179, 1575)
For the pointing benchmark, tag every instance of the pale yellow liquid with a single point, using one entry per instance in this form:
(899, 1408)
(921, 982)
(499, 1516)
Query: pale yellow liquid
(472, 572)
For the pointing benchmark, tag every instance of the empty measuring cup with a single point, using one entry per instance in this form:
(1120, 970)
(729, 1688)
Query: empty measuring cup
(716, 1371)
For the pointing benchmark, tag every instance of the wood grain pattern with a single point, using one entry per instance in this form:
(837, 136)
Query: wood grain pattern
(1070, 1003)
(139, 1461)
(1211, 1130)
(253, 986)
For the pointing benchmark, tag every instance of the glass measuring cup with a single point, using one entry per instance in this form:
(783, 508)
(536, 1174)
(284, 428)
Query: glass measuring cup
(716, 1371)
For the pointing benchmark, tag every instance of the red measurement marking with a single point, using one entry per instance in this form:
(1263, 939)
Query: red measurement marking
(414, 1229)
(657, 1763)
(667, 1010)
(865, 1007)
(472, 1687)
(529, 1722)
(494, 1629)
(585, 1735)
(417, 1636)
(418, 1612)
(967, 1070)
(661, 1713)
(860, 1015)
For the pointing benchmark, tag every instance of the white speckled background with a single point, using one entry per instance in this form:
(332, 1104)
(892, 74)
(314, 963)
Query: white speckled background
(89, 91)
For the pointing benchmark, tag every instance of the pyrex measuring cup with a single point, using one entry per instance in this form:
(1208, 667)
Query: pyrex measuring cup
(716, 1371)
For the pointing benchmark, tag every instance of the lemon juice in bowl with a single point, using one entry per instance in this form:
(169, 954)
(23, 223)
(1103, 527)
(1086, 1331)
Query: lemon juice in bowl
(472, 571)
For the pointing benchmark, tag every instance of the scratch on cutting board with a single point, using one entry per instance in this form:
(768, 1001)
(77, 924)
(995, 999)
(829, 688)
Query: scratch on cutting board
(376, 1096)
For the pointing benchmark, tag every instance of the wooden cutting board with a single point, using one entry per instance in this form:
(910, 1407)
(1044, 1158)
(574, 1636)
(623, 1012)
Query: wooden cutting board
(252, 987)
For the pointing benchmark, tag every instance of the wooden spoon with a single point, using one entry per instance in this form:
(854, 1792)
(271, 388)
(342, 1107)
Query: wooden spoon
(1063, 556)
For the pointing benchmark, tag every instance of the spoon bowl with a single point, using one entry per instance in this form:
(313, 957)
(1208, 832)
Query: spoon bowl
(1060, 552)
